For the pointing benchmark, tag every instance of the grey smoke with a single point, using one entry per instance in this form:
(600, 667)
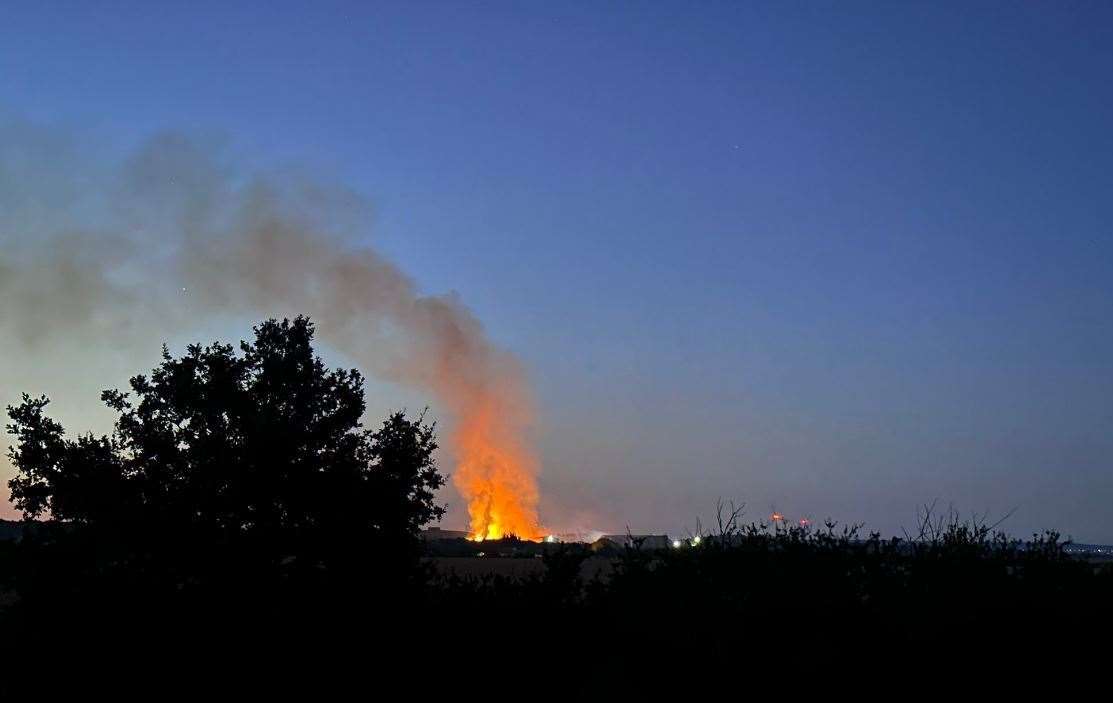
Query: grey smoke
(98, 250)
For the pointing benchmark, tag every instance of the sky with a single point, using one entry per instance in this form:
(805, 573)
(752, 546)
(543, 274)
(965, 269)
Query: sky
(830, 259)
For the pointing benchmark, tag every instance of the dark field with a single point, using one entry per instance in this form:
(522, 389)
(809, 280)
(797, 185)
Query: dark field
(513, 567)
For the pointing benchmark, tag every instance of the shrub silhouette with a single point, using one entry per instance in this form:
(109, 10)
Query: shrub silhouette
(757, 601)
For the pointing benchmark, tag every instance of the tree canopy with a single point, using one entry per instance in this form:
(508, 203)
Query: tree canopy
(258, 453)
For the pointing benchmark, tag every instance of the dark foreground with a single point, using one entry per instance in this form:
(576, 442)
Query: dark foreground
(748, 606)
(240, 534)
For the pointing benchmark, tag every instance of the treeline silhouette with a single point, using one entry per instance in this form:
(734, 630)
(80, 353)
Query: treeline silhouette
(240, 531)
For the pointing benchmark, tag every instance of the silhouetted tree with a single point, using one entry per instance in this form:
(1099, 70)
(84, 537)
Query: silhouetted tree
(225, 463)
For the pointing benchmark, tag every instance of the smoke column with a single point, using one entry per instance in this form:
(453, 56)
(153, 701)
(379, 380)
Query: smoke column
(93, 249)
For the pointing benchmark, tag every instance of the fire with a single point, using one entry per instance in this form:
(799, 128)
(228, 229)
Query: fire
(495, 474)
(487, 396)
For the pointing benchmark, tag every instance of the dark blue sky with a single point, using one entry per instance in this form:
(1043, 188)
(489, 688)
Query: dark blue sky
(836, 258)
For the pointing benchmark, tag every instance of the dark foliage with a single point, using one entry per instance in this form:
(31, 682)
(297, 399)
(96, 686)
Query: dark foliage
(769, 604)
(234, 488)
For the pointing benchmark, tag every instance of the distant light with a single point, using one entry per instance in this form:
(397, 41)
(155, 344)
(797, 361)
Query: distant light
(696, 539)
(777, 517)
(804, 522)
(550, 539)
(676, 543)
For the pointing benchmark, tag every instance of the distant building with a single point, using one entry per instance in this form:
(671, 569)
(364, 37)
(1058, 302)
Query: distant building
(619, 542)
(436, 533)
(570, 537)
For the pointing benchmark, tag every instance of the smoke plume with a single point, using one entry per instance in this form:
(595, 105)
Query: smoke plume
(99, 249)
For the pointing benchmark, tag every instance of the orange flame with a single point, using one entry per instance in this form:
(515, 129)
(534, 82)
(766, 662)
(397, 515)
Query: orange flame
(495, 475)
(488, 398)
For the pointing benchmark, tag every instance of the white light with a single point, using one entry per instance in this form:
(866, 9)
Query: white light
(550, 539)
(695, 540)
(676, 543)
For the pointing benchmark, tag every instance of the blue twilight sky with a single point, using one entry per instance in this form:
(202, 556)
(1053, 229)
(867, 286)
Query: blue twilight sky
(834, 258)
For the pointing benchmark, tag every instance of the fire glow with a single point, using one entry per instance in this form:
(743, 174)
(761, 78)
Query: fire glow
(495, 475)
